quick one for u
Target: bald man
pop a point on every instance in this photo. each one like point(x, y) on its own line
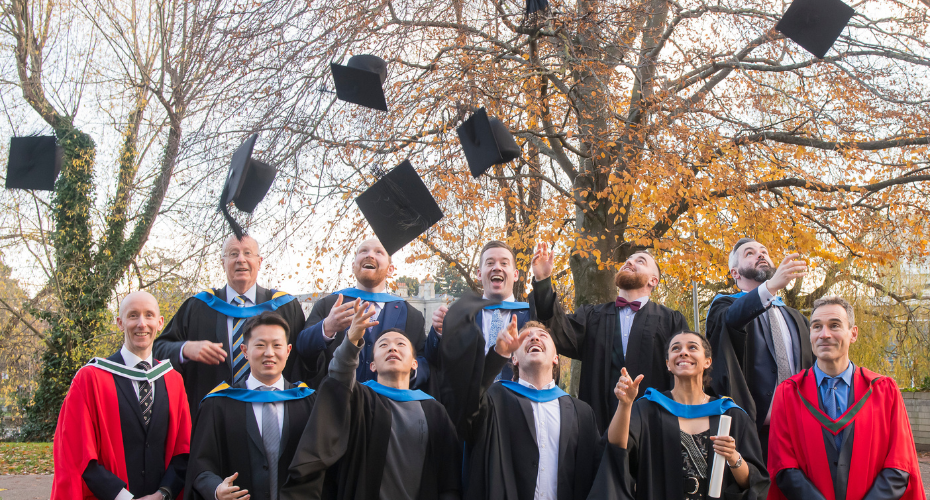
point(331, 316)
point(124, 418)
point(630, 332)
point(208, 326)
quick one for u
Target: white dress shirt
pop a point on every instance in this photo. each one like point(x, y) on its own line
point(625, 316)
point(548, 420)
point(487, 316)
point(252, 384)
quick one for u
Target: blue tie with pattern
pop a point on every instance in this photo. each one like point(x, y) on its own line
point(832, 406)
point(240, 364)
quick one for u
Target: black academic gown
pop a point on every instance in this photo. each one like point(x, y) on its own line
point(317, 353)
point(650, 468)
point(143, 445)
point(744, 357)
point(196, 321)
point(498, 425)
point(226, 439)
point(342, 451)
point(589, 334)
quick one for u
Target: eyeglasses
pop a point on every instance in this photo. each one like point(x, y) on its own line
point(235, 255)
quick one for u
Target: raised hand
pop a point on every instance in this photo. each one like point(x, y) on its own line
point(542, 262)
point(227, 491)
point(338, 319)
point(438, 316)
point(360, 320)
point(627, 388)
point(509, 339)
point(791, 268)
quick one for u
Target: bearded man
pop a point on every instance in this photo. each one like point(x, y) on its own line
point(758, 340)
point(331, 316)
point(630, 332)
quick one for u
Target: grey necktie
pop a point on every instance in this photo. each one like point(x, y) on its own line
point(271, 437)
point(778, 341)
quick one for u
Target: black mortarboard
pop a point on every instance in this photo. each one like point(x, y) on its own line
point(536, 5)
point(815, 24)
point(34, 163)
point(359, 81)
point(247, 183)
point(399, 207)
point(486, 142)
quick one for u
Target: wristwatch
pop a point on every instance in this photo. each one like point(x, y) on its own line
point(738, 464)
point(165, 493)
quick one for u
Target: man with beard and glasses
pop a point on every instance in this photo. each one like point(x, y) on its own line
point(629, 332)
point(759, 341)
point(331, 316)
point(497, 272)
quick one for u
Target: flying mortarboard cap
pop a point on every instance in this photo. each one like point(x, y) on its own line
point(247, 183)
point(815, 24)
point(359, 81)
point(399, 207)
point(486, 142)
point(34, 163)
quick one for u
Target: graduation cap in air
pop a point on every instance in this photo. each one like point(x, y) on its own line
point(815, 24)
point(486, 142)
point(359, 81)
point(399, 207)
point(34, 163)
point(247, 183)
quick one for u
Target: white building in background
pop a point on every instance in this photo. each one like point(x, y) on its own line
point(425, 300)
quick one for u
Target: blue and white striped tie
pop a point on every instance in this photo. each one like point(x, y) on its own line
point(240, 364)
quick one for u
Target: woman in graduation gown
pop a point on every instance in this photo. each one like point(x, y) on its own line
point(662, 446)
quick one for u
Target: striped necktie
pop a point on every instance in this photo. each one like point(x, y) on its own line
point(146, 398)
point(240, 364)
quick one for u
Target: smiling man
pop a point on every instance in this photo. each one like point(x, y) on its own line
point(124, 428)
point(330, 317)
point(525, 438)
point(629, 332)
point(246, 435)
point(377, 439)
point(203, 338)
point(497, 271)
point(838, 430)
point(758, 340)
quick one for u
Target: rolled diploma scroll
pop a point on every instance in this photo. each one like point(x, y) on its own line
point(716, 475)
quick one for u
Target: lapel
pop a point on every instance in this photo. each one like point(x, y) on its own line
point(568, 437)
point(527, 408)
point(642, 333)
point(671, 442)
point(285, 434)
point(610, 326)
point(251, 425)
point(391, 311)
point(127, 391)
point(803, 350)
point(766, 329)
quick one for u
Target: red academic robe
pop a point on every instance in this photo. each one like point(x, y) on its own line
point(89, 429)
point(882, 437)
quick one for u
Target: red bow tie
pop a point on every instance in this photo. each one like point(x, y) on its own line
point(634, 305)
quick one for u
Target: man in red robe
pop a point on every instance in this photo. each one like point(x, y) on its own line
point(839, 431)
point(124, 428)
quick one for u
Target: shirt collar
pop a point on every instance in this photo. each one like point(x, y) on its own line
point(249, 294)
point(131, 359)
point(508, 299)
point(524, 383)
point(846, 376)
point(252, 383)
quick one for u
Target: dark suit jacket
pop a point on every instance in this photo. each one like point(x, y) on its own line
point(588, 334)
point(317, 353)
point(744, 356)
point(143, 445)
point(195, 321)
point(226, 439)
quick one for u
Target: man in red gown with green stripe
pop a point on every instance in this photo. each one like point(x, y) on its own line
point(839, 431)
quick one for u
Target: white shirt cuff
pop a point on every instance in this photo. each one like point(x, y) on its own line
point(326, 338)
point(765, 295)
point(124, 495)
point(181, 354)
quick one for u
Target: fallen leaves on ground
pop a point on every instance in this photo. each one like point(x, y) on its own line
point(26, 458)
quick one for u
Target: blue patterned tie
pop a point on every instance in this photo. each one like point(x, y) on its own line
point(832, 407)
point(240, 364)
point(497, 324)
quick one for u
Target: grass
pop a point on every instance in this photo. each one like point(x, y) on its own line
point(26, 458)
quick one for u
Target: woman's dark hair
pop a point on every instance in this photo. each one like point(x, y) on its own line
point(705, 344)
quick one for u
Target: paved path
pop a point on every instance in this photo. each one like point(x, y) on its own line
point(39, 486)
